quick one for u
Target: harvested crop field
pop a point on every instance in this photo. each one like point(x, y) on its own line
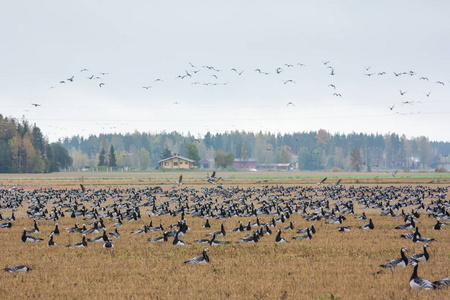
point(333, 264)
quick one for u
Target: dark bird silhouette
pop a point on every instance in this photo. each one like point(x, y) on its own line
point(391, 107)
point(290, 103)
point(35, 104)
point(332, 85)
point(402, 93)
point(180, 180)
point(101, 84)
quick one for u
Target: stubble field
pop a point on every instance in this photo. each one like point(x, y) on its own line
point(330, 265)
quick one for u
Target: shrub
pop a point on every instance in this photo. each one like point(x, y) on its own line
point(441, 170)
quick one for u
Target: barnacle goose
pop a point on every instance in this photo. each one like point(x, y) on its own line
point(179, 242)
point(420, 257)
point(108, 244)
point(100, 238)
point(410, 235)
point(240, 228)
point(399, 262)
point(18, 268)
point(115, 234)
point(214, 242)
point(51, 242)
point(442, 283)
point(308, 236)
point(368, 226)
point(417, 282)
point(35, 229)
point(199, 259)
point(6, 225)
point(56, 231)
point(290, 227)
point(344, 229)
point(29, 239)
point(207, 225)
point(159, 238)
point(218, 233)
point(278, 238)
point(305, 230)
point(418, 239)
point(79, 245)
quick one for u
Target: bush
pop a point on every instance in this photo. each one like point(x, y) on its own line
point(336, 169)
point(441, 170)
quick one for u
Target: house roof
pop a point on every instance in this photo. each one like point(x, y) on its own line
point(177, 156)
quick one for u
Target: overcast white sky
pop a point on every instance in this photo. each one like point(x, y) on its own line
point(137, 42)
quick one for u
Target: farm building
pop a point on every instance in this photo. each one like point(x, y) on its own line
point(247, 164)
point(207, 164)
point(176, 162)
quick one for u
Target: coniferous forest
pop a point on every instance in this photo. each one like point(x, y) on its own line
point(24, 149)
point(314, 150)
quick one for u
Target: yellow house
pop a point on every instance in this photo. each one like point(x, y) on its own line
point(176, 162)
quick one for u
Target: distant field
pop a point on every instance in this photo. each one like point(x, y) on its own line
point(332, 265)
point(198, 177)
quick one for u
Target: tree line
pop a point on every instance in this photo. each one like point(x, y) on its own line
point(313, 150)
point(24, 149)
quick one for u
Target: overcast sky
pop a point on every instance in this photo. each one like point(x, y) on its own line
point(138, 42)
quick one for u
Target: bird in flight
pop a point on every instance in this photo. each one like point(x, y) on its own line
point(381, 73)
point(290, 103)
point(35, 104)
point(326, 62)
point(369, 74)
point(428, 95)
point(70, 79)
point(84, 70)
point(402, 93)
point(332, 85)
point(289, 80)
point(391, 107)
point(423, 78)
point(101, 84)
point(439, 82)
point(146, 87)
point(337, 95)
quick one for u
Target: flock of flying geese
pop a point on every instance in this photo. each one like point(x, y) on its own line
point(215, 74)
point(276, 202)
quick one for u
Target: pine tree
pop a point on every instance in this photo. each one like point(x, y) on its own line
point(102, 158)
point(166, 153)
point(112, 157)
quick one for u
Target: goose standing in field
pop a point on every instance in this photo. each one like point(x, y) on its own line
point(420, 257)
point(399, 262)
point(417, 282)
point(51, 242)
point(199, 259)
point(29, 239)
point(278, 238)
point(94, 230)
point(79, 245)
point(18, 268)
point(368, 226)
